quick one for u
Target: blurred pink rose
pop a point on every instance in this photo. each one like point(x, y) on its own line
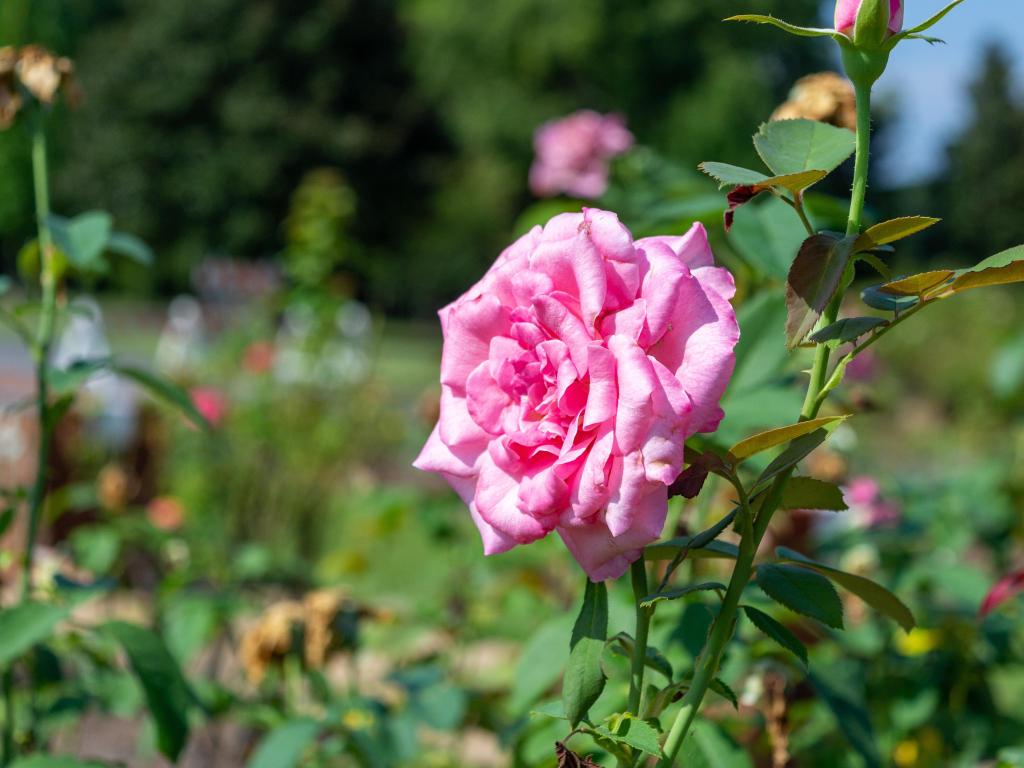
point(864, 497)
point(1005, 589)
point(211, 403)
point(571, 375)
point(573, 154)
point(847, 10)
point(165, 513)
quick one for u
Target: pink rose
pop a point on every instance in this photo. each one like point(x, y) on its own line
point(571, 375)
point(211, 403)
point(573, 154)
point(864, 497)
point(847, 10)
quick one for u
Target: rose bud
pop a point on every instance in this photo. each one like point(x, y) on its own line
point(869, 22)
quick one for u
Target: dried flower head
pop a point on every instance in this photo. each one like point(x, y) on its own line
point(10, 99)
point(825, 96)
point(42, 73)
point(325, 620)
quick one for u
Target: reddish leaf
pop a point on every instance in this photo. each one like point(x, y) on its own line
point(1005, 589)
point(569, 759)
point(814, 278)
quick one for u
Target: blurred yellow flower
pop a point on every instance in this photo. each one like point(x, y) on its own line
point(918, 642)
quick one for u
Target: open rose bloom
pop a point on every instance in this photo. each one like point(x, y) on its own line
point(571, 375)
point(573, 154)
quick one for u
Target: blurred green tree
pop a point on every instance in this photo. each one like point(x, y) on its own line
point(986, 166)
point(199, 121)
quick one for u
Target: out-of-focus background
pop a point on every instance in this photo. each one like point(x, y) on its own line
point(317, 178)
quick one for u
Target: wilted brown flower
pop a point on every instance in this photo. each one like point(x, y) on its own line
point(270, 639)
point(113, 486)
point(826, 97)
point(325, 620)
point(10, 99)
point(43, 73)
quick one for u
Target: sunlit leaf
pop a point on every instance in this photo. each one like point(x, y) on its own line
point(775, 437)
point(1002, 269)
point(731, 175)
point(633, 732)
point(809, 493)
point(931, 22)
point(893, 230)
point(918, 285)
point(793, 146)
point(793, 29)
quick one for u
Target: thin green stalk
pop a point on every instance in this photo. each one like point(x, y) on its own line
point(44, 338)
point(812, 403)
point(643, 624)
point(8, 730)
point(724, 625)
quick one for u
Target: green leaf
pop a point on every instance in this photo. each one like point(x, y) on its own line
point(793, 29)
point(848, 329)
point(67, 380)
point(26, 625)
point(629, 730)
point(676, 594)
point(813, 281)
point(852, 718)
point(164, 390)
point(592, 620)
point(718, 686)
point(809, 493)
point(796, 452)
point(6, 517)
point(777, 632)
point(774, 437)
point(82, 238)
point(918, 285)
point(731, 175)
point(875, 595)
point(167, 694)
point(54, 761)
point(283, 746)
point(792, 146)
point(623, 644)
point(714, 550)
point(766, 234)
point(875, 299)
point(130, 246)
point(584, 678)
point(1002, 269)
point(893, 230)
point(802, 591)
point(924, 27)
point(708, 747)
